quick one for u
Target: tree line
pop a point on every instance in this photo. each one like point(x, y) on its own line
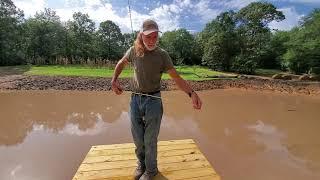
point(233, 41)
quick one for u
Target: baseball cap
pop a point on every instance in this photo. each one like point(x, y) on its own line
point(149, 26)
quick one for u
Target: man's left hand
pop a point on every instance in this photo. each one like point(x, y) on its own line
point(196, 101)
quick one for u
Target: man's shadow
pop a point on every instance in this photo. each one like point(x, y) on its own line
point(160, 176)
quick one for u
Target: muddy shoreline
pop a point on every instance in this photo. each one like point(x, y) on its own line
point(22, 82)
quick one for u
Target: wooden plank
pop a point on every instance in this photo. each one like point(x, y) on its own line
point(209, 177)
point(131, 145)
point(197, 173)
point(133, 163)
point(166, 168)
point(122, 157)
point(177, 159)
point(189, 173)
point(108, 152)
point(164, 177)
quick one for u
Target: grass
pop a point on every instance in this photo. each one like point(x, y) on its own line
point(76, 70)
point(267, 72)
point(13, 70)
point(196, 73)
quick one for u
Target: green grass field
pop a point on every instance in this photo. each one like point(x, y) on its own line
point(197, 73)
point(187, 72)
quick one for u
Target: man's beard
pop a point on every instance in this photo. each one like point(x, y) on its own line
point(148, 48)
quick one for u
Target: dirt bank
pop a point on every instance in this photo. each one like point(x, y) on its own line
point(21, 82)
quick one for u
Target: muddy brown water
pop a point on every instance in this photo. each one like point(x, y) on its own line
point(244, 134)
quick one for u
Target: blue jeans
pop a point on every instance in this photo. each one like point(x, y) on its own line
point(146, 114)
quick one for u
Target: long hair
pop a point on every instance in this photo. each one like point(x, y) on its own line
point(139, 46)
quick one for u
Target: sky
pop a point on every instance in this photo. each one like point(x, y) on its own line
point(192, 15)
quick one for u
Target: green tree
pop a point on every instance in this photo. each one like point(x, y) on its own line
point(276, 50)
point(110, 40)
point(128, 39)
point(44, 37)
point(81, 37)
point(303, 54)
point(254, 34)
point(11, 18)
point(179, 44)
point(219, 42)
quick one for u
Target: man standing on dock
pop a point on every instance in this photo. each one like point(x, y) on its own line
point(146, 109)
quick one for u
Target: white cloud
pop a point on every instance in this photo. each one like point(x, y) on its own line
point(238, 4)
point(164, 15)
point(235, 4)
point(91, 3)
point(174, 8)
point(97, 12)
point(74, 3)
point(202, 8)
point(30, 7)
point(292, 19)
point(301, 1)
point(184, 3)
point(100, 10)
point(167, 16)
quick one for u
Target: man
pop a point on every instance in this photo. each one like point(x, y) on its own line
point(149, 62)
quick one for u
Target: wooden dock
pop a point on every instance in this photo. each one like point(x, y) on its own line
point(177, 159)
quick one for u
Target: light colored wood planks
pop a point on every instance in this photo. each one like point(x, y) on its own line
point(133, 163)
point(131, 156)
point(108, 152)
point(177, 159)
point(131, 145)
point(166, 168)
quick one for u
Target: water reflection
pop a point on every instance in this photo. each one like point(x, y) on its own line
point(46, 134)
point(22, 112)
point(235, 141)
point(50, 154)
point(268, 135)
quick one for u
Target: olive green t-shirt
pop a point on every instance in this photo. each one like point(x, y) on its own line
point(148, 69)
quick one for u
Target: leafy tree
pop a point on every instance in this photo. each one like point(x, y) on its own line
point(254, 33)
point(128, 39)
point(44, 37)
point(11, 49)
point(276, 48)
point(111, 40)
point(303, 54)
point(219, 41)
point(179, 44)
point(81, 37)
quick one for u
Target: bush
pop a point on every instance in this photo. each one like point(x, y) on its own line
point(244, 64)
point(315, 70)
point(296, 62)
point(213, 57)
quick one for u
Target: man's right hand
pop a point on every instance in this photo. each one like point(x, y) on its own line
point(115, 86)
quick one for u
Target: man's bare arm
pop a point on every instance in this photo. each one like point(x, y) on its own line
point(184, 86)
point(119, 67)
point(117, 71)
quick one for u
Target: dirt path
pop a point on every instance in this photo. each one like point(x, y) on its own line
point(22, 82)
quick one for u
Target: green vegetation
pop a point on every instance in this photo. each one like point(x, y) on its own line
point(196, 73)
point(239, 41)
point(233, 41)
point(303, 46)
point(75, 71)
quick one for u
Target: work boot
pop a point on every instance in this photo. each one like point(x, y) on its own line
point(139, 171)
point(148, 175)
